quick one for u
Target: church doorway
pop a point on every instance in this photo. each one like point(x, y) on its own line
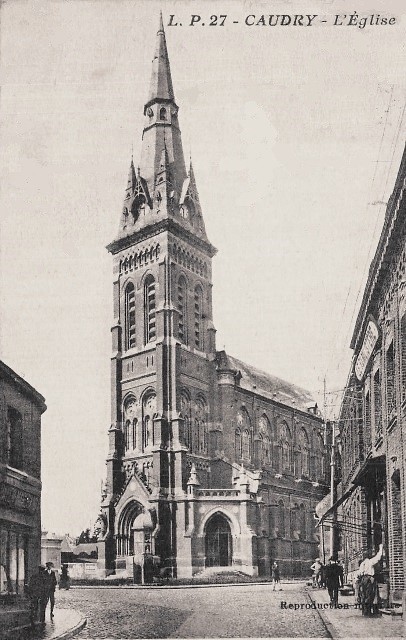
point(218, 542)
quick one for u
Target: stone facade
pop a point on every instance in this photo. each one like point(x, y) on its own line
point(373, 412)
point(20, 491)
point(212, 463)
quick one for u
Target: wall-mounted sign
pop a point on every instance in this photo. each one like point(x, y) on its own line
point(370, 340)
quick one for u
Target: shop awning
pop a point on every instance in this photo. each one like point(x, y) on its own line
point(375, 467)
point(371, 470)
point(337, 503)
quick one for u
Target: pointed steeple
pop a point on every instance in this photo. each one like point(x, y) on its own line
point(161, 128)
point(190, 204)
point(161, 188)
point(161, 87)
point(131, 179)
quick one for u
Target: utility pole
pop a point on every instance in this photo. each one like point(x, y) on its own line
point(332, 488)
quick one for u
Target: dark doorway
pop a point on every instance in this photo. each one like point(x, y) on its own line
point(219, 551)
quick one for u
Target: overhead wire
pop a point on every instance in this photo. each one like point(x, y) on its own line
point(393, 147)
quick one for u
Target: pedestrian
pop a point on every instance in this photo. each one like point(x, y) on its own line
point(334, 580)
point(36, 595)
point(368, 589)
point(50, 583)
point(316, 568)
point(276, 576)
point(356, 583)
point(322, 581)
point(64, 582)
point(341, 574)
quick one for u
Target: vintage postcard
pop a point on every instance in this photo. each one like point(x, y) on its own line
point(202, 318)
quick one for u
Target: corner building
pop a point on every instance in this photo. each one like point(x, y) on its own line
point(21, 408)
point(212, 463)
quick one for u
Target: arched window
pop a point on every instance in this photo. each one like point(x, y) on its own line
point(304, 449)
point(148, 414)
point(182, 308)
point(149, 301)
point(198, 313)
point(185, 410)
point(259, 453)
point(237, 444)
point(130, 410)
point(264, 429)
point(162, 113)
point(267, 450)
point(246, 445)
point(130, 316)
point(285, 438)
point(127, 435)
point(146, 432)
point(201, 442)
point(134, 433)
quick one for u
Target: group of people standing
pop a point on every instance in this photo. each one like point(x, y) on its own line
point(41, 590)
point(331, 576)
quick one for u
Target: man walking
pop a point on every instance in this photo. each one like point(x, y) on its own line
point(50, 583)
point(276, 576)
point(334, 580)
point(316, 568)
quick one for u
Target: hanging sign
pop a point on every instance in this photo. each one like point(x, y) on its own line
point(370, 340)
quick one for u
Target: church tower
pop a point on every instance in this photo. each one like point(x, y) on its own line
point(212, 463)
point(163, 342)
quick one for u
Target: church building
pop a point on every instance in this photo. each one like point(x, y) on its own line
point(212, 464)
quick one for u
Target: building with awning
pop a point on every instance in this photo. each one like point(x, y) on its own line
point(372, 506)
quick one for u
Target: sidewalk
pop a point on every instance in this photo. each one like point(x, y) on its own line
point(348, 622)
point(66, 624)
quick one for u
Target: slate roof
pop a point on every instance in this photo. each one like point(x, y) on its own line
point(264, 384)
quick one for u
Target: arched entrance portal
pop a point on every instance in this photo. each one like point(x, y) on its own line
point(219, 551)
point(125, 533)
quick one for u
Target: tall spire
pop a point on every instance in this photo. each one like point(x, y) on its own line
point(161, 188)
point(161, 87)
point(161, 129)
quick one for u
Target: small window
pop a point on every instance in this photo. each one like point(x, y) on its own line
point(150, 308)
point(14, 438)
point(198, 313)
point(130, 315)
point(182, 308)
point(162, 113)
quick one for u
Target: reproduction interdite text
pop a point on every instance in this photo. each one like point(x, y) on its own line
point(353, 19)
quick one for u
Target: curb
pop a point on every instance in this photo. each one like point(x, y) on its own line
point(71, 632)
point(175, 586)
point(327, 625)
point(64, 635)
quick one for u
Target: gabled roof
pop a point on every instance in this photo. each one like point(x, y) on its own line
point(264, 384)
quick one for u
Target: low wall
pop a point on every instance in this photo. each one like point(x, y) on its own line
point(84, 570)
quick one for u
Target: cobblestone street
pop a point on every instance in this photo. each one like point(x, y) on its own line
point(231, 611)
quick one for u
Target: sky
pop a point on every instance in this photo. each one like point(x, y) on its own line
point(296, 135)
